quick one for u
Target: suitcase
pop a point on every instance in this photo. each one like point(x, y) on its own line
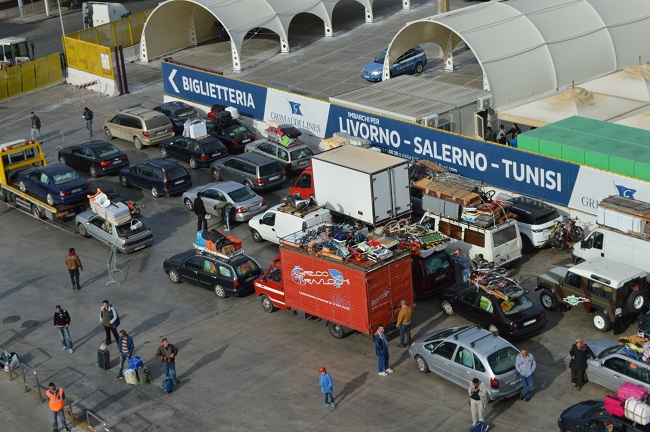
point(223, 117)
point(637, 411)
point(117, 213)
point(614, 405)
point(479, 427)
point(104, 359)
point(135, 362)
point(628, 390)
point(144, 376)
point(167, 385)
point(130, 376)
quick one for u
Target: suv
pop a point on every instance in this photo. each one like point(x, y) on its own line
point(178, 112)
point(462, 354)
point(143, 126)
point(536, 221)
point(613, 293)
point(253, 170)
point(293, 158)
point(161, 176)
point(412, 61)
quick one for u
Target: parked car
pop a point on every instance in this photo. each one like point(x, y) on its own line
point(225, 277)
point(293, 158)
point(412, 61)
point(536, 221)
point(56, 184)
point(95, 157)
point(198, 152)
point(590, 416)
point(234, 135)
point(127, 238)
point(160, 176)
point(253, 170)
point(432, 274)
point(143, 126)
point(462, 354)
point(178, 113)
point(516, 318)
point(246, 202)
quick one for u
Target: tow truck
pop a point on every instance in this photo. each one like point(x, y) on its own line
point(20, 155)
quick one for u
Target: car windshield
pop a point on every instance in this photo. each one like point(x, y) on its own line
point(301, 153)
point(503, 361)
point(176, 173)
point(241, 194)
point(247, 268)
point(270, 169)
point(380, 58)
point(435, 263)
point(236, 129)
point(212, 146)
point(185, 112)
point(519, 304)
point(109, 150)
point(123, 231)
point(64, 177)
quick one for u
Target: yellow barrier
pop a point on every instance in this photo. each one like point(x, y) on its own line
point(29, 76)
point(126, 32)
point(89, 57)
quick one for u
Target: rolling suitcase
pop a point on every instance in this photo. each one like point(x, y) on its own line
point(104, 359)
point(130, 376)
point(167, 385)
point(614, 405)
point(637, 411)
point(629, 390)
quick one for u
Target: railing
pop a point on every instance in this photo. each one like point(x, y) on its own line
point(29, 76)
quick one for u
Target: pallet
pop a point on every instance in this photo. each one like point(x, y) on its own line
point(447, 192)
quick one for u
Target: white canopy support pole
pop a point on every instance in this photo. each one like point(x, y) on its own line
point(406, 4)
point(449, 54)
point(236, 63)
point(369, 16)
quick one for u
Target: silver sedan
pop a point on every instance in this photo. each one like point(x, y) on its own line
point(246, 202)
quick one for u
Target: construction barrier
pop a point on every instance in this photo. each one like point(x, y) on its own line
point(125, 32)
point(88, 57)
point(29, 76)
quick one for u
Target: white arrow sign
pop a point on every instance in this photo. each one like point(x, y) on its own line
point(171, 80)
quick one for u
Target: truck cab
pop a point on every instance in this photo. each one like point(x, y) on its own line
point(14, 51)
point(303, 185)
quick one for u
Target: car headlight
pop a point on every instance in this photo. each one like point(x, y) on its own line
point(377, 72)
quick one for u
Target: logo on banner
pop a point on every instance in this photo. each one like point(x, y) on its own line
point(306, 277)
point(295, 108)
point(625, 191)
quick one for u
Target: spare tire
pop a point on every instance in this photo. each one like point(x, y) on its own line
point(635, 302)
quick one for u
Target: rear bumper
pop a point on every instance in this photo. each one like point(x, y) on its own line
point(177, 189)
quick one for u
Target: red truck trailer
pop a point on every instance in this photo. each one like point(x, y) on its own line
point(350, 295)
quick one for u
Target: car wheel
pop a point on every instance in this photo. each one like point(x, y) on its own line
point(124, 181)
point(82, 230)
point(492, 328)
point(256, 236)
point(174, 276)
point(94, 171)
point(22, 186)
point(419, 68)
point(62, 159)
point(220, 292)
point(108, 133)
point(601, 321)
point(548, 300)
point(216, 175)
point(447, 307)
point(50, 199)
point(193, 163)
point(37, 212)
point(421, 364)
point(137, 143)
point(526, 244)
point(267, 304)
point(635, 302)
point(189, 205)
point(163, 152)
point(336, 330)
point(155, 192)
point(248, 184)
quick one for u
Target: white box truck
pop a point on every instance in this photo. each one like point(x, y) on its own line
point(98, 13)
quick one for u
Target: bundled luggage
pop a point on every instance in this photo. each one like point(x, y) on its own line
point(130, 376)
point(217, 242)
point(116, 213)
point(135, 362)
point(629, 390)
point(144, 375)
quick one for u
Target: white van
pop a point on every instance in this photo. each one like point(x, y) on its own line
point(282, 220)
point(500, 244)
point(615, 246)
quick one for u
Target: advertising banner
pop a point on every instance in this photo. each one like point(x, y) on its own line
point(305, 113)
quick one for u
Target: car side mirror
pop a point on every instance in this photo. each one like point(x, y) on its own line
point(261, 222)
point(561, 281)
point(583, 244)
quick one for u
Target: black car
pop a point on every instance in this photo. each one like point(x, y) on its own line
point(198, 152)
point(234, 135)
point(95, 157)
point(225, 277)
point(515, 318)
point(590, 416)
point(178, 112)
point(160, 176)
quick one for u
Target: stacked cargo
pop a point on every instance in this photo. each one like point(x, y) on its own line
point(625, 214)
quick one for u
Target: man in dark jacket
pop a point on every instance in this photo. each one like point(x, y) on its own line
point(381, 349)
point(167, 355)
point(490, 135)
point(88, 116)
point(579, 353)
point(62, 324)
point(125, 347)
point(199, 210)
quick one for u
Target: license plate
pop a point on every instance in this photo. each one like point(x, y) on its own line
point(116, 161)
point(514, 381)
point(256, 206)
point(76, 190)
point(162, 132)
point(274, 178)
point(245, 141)
point(139, 247)
point(529, 322)
point(179, 181)
point(215, 154)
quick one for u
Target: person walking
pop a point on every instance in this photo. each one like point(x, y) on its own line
point(167, 355)
point(73, 263)
point(36, 127)
point(579, 353)
point(526, 365)
point(200, 212)
point(55, 398)
point(404, 324)
point(110, 320)
point(464, 263)
point(125, 347)
point(62, 324)
point(326, 386)
point(88, 116)
point(478, 399)
point(381, 349)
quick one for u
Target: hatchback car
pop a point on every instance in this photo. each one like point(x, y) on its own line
point(253, 170)
point(126, 238)
point(198, 152)
point(536, 221)
point(143, 126)
point(590, 416)
point(160, 176)
point(246, 202)
point(178, 112)
point(234, 276)
point(412, 61)
point(95, 157)
point(293, 158)
point(462, 354)
point(234, 135)
point(516, 318)
point(56, 184)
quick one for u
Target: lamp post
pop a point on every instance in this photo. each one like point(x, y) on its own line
point(58, 2)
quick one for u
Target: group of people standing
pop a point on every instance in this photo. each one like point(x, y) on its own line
point(501, 136)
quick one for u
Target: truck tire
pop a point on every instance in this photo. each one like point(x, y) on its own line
point(447, 308)
point(37, 212)
point(635, 302)
point(3, 195)
point(526, 244)
point(256, 236)
point(82, 230)
point(421, 364)
point(267, 304)
point(219, 291)
point(336, 330)
point(548, 300)
point(601, 321)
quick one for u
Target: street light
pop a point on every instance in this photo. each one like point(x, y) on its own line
point(58, 2)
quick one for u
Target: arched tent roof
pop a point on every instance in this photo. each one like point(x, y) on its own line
point(178, 24)
point(529, 47)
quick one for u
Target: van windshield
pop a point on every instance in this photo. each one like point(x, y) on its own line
point(504, 235)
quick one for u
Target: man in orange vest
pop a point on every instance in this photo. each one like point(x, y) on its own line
point(55, 398)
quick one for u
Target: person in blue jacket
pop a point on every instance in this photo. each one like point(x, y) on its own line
point(326, 386)
point(125, 347)
point(381, 349)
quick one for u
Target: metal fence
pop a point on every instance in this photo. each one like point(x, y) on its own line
point(33, 75)
point(125, 32)
point(89, 57)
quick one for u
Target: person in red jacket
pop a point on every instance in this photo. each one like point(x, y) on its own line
point(55, 399)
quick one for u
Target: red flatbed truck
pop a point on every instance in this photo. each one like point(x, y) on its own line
point(348, 296)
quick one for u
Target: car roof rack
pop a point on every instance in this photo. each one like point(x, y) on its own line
point(473, 343)
point(209, 252)
point(455, 336)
